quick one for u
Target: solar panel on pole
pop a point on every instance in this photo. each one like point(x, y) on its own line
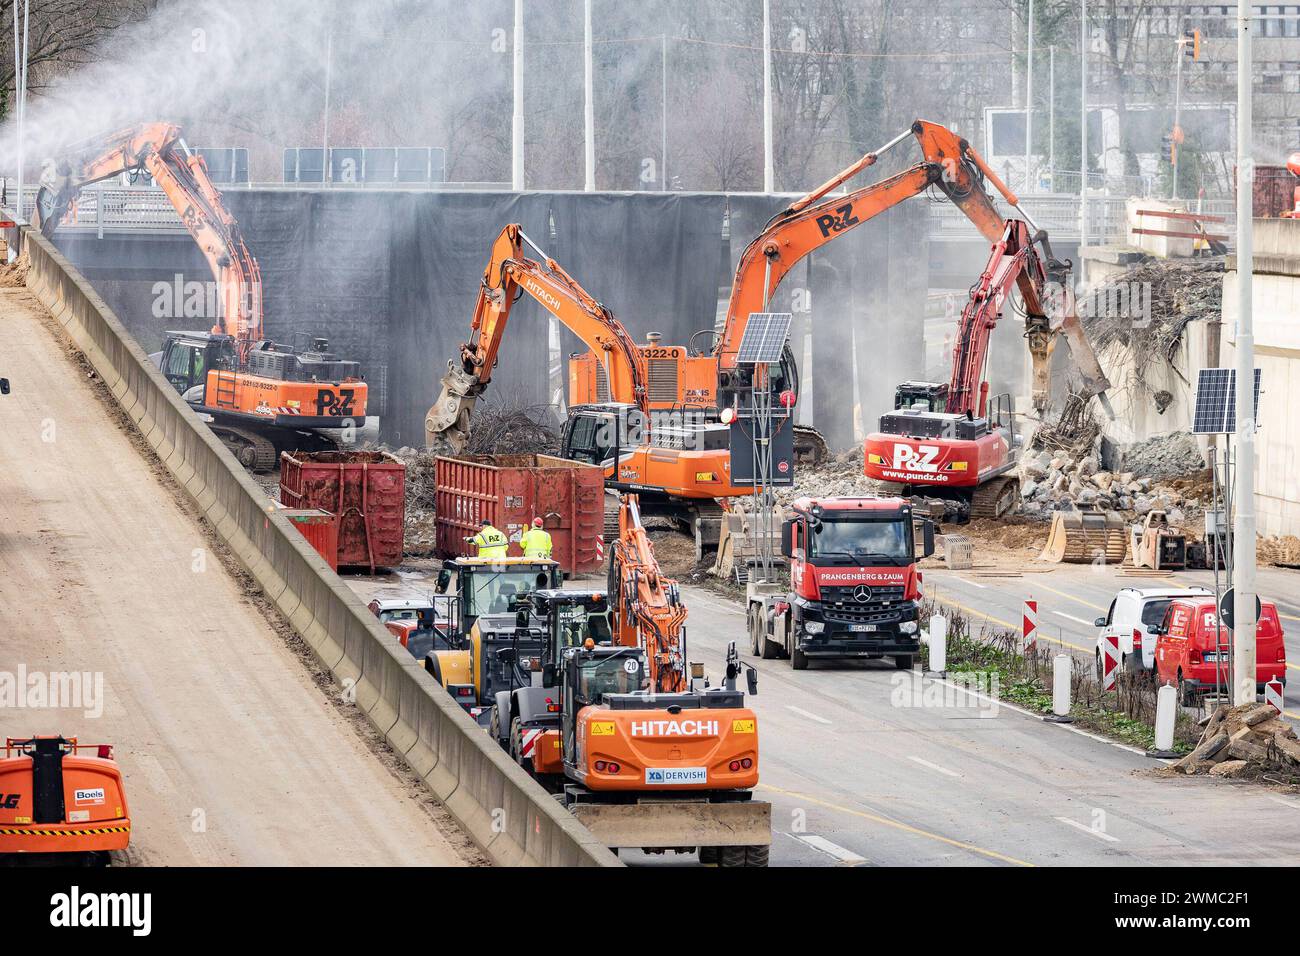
point(764, 339)
point(1216, 401)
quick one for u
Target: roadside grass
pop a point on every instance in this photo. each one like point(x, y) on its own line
point(1126, 714)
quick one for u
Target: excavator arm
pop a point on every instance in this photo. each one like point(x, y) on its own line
point(647, 607)
point(956, 169)
point(509, 274)
point(157, 148)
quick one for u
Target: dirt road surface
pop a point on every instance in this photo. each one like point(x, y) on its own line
point(232, 753)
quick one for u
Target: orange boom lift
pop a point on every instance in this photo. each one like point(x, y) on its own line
point(260, 397)
point(61, 796)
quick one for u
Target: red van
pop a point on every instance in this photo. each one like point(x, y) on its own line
point(1192, 650)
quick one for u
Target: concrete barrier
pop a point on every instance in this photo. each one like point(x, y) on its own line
point(502, 809)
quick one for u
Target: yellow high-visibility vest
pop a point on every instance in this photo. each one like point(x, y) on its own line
point(491, 543)
point(536, 543)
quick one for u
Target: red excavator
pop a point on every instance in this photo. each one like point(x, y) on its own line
point(61, 796)
point(260, 397)
point(948, 441)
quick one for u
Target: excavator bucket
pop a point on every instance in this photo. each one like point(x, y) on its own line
point(448, 419)
point(1083, 537)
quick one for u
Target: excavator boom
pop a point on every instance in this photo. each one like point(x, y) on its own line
point(508, 274)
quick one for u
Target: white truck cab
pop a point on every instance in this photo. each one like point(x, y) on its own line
point(1133, 617)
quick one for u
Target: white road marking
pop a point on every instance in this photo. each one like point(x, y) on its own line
point(1071, 617)
point(974, 584)
point(1286, 803)
point(1089, 830)
point(833, 850)
point(803, 713)
point(934, 766)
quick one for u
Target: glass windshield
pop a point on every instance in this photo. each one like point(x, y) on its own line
point(400, 614)
point(577, 624)
point(884, 541)
point(491, 591)
point(617, 674)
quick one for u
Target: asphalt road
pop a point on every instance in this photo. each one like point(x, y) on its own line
point(231, 753)
point(867, 765)
point(1071, 597)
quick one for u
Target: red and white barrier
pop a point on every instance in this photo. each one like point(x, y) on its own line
point(1029, 625)
point(1273, 694)
point(1109, 661)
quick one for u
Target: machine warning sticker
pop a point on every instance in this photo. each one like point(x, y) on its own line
point(742, 726)
point(602, 728)
point(78, 816)
point(93, 796)
point(675, 776)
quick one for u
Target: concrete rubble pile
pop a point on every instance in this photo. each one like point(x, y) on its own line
point(1151, 475)
point(1244, 741)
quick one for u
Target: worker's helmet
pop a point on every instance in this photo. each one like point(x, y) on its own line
point(485, 523)
point(537, 522)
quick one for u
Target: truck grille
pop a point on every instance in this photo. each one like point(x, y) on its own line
point(840, 604)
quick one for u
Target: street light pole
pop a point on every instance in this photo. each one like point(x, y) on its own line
point(1178, 103)
point(588, 104)
point(517, 126)
point(1243, 537)
point(1051, 113)
point(769, 173)
point(1029, 93)
point(1083, 137)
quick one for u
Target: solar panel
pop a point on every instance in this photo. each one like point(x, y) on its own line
point(764, 339)
point(1216, 401)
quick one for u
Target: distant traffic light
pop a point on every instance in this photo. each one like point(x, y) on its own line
point(1192, 45)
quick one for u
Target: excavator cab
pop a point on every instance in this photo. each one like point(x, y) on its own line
point(187, 357)
point(932, 396)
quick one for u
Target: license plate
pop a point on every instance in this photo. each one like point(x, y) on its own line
point(675, 776)
point(1213, 657)
point(862, 628)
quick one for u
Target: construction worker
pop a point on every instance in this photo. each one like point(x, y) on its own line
point(536, 542)
point(490, 542)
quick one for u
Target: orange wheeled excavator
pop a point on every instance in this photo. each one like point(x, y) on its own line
point(640, 752)
point(950, 442)
point(713, 379)
point(260, 397)
point(61, 796)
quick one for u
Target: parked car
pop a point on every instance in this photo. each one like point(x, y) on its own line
point(1133, 617)
point(413, 621)
point(1193, 653)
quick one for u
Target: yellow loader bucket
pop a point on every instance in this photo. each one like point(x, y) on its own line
point(1082, 537)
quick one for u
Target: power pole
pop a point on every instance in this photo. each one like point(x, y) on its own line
point(1243, 537)
point(588, 103)
point(1029, 94)
point(1051, 114)
point(517, 127)
point(1083, 137)
point(1178, 105)
point(769, 173)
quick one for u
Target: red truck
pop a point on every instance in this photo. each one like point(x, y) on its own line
point(1194, 654)
point(854, 586)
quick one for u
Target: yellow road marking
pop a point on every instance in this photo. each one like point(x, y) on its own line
point(1078, 600)
point(1287, 617)
point(907, 828)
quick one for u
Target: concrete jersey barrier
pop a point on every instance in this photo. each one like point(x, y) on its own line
point(502, 809)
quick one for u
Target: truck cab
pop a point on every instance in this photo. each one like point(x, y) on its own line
point(485, 651)
point(854, 586)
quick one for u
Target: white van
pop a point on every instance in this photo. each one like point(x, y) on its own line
point(1133, 617)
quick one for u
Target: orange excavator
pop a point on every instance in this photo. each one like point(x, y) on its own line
point(259, 397)
point(61, 796)
point(679, 468)
point(715, 380)
point(640, 752)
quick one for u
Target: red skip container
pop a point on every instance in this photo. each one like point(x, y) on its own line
point(320, 528)
point(364, 490)
point(510, 490)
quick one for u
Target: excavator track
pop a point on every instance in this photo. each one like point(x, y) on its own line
point(995, 497)
point(255, 452)
point(810, 446)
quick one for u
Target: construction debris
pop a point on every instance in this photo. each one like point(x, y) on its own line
point(1245, 741)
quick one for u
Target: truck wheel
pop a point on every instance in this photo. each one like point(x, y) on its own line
point(709, 855)
point(517, 745)
point(756, 855)
point(798, 660)
point(904, 662)
point(731, 856)
point(757, 639)
point(494, 727)
point(1186, 696)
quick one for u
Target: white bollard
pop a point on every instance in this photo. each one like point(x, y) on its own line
point(938, 643)
point(1166, 711)
point(1061, 671)
point(1061, 665)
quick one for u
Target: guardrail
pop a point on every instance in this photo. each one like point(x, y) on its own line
point(502, 809)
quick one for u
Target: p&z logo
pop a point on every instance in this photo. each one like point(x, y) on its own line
point(338, 406)
point(9, 801)
point(837, 221)
point(922, 458)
